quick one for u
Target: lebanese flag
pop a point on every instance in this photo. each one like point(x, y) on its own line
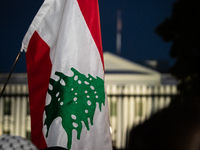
point(65, 68)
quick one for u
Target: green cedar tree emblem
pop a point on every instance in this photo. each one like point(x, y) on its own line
point(74, 100)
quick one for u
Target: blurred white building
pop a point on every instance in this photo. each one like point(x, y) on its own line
point(135, 92)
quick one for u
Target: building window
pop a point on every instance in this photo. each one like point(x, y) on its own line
point(28, 107)
point(7, 106)
point(113, 108)
point(139, 107)
point(28, 135)
point(6, 132)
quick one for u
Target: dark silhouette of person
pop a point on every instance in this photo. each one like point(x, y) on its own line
point(55, 148)
point(174, 128)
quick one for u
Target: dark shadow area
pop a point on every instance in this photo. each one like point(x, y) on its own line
point(174, 128)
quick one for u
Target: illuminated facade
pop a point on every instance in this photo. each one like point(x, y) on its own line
point(134, 94)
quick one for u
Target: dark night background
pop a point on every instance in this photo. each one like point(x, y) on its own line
point(139, 20)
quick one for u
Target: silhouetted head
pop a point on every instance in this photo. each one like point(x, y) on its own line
point(173, 128)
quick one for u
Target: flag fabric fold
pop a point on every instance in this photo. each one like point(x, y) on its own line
point(65, 68)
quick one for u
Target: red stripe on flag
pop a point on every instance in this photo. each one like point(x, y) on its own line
point(38, 70)
point(90, 11)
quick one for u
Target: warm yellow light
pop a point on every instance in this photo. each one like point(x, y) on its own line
point(111, 130)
